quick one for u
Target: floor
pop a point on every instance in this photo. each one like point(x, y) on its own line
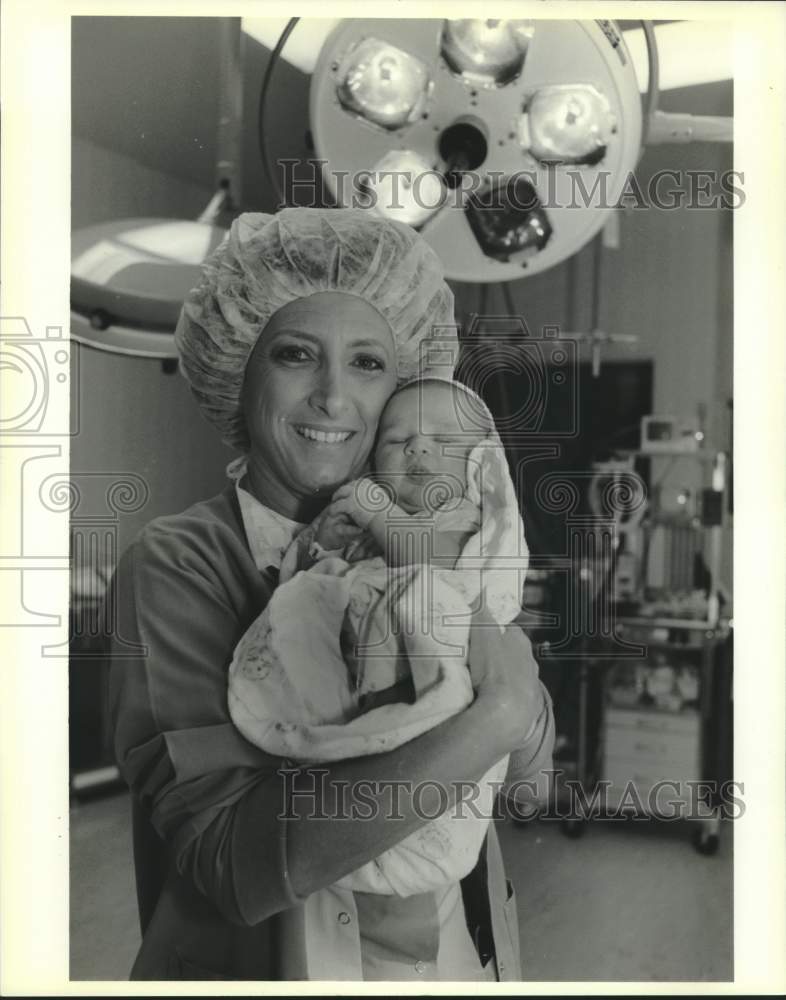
point(625, 902)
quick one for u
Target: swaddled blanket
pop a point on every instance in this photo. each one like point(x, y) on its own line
point(292, 692)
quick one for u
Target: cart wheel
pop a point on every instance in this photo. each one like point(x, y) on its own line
point(574, 828)
point(704, 842)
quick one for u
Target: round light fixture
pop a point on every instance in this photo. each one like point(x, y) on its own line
point(534, 128)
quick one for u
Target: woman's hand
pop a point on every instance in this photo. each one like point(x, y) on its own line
point(505, 678)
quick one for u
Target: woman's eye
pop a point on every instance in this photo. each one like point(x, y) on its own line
point(290, 353)
point(369, 363)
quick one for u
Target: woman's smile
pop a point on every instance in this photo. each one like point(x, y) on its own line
point(323, 435)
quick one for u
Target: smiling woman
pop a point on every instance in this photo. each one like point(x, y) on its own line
point(300, 330)
point(315, 385)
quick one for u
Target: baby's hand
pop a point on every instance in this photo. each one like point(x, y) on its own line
point(362, 547)
point(361, 501)
point(334, 530)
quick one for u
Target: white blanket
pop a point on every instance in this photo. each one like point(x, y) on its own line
point(291, 692)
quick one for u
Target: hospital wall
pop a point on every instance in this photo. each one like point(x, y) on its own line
point(144, 144)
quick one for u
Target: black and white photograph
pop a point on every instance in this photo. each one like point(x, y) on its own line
point(377, 609)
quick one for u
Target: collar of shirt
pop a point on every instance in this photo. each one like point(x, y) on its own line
point(269, 533)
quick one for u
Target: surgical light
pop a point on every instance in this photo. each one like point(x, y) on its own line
point(129, 278)
point(383, 84)
point(567, 124)
point(575, 101)
point(489, 53)
point(405, 187)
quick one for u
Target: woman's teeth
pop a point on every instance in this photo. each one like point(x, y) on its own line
point(325, 437)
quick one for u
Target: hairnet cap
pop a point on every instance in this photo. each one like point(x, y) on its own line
point(267, 261)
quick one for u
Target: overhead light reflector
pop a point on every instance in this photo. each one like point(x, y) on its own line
point(406, 188)
point(383, 84)
point(488, 52)
point(567, 124)
point(508, 221)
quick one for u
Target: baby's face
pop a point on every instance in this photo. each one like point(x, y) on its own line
point(423, 444)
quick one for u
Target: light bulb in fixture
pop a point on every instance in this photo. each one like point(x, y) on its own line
point(508, 220)
point(567, 124)
point(488, 52)
point(405, 187)
point(383, 84)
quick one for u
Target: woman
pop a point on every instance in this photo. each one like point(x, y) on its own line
point(300, 329)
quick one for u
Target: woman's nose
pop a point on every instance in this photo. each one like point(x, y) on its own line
point(329, 394)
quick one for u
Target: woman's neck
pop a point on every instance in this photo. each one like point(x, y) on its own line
point(296, 507)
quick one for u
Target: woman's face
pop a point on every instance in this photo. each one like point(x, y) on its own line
point(315, 385)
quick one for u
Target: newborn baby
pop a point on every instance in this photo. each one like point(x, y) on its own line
point(414, 511)
point(363, 644)
point(420, 466)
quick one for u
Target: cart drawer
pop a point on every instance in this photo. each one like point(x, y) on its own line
point(652, 721)
point(675, 752)
point(619, 770)
point(655, 798)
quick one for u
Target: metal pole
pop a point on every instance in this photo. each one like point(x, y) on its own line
point(230, 109)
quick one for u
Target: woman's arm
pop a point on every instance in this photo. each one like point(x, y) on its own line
point(244, 830)
point(322, 842)
point(396, 793)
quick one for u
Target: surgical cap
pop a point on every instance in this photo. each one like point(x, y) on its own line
point(267, 261)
